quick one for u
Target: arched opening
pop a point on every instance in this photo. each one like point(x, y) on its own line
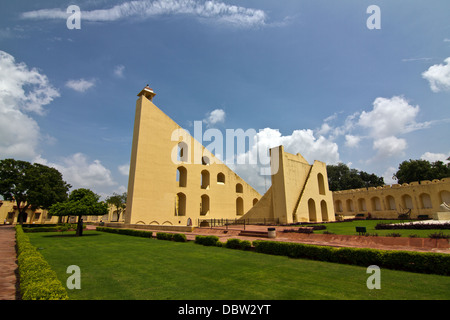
point(390, 203)
point(204, 179)
point(239, 206)
point(239, 188)
point(182, 176)
point(362, 204)
point(255, 201)
point(321, 184)
point(312, 210)
point(425, 201)
point(338, 205)
point(204, 205)
point(445, 197)
point(349, 204)
point(205, 161)
point(220, 178)
point(183, 152)
point(180, 204)
point(324, 210)
point(376, 204)
point(407, 201)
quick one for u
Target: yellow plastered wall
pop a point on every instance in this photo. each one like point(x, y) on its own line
point(167, 187)
point(389, 201)
point(299, 191)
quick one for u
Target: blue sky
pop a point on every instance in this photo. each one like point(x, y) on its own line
point(306, 74)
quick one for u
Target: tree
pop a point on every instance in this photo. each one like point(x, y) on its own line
point(341, 177)
point(418, 170)
point(31, 186)
point(119, 201)
point(81, 202)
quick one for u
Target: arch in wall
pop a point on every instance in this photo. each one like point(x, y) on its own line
point(376, 203)
point(205, 161)
point(324, 210)
point(338, 205)
point(142, 222)
point(182, 176)
point(445, 196)
point(362, 204)
point(204, 179)
point(349, 204)
point(239, 206)
point(407, 202)
point(239, 188)
point(425, 201)
point(167, 223)
point(220, 178)
point(312, 210)
point(204, 205)
point(321, 184)
point(390, 203)
point(183, 152)
point(180, 204)
point(255, 201)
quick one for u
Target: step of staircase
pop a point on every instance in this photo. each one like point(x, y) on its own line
point(248, 233)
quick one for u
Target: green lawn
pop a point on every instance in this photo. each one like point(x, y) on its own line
point(124, 267)
point(348, 228)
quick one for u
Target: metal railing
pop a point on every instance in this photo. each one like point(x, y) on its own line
point(240, 223)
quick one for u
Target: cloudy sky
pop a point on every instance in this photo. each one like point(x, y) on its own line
point(314, 76)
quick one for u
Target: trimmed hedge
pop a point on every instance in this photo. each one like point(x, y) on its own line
point(415, 226)
point(37, 280)
point(51, 228)
point(207, 240)
point(238, 244)
point(129, 232)
point(421, 262)
point(164, 236)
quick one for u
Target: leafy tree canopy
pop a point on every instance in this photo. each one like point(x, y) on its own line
point(341, 177)
point(119, 201)
point(418, 170)
point(31, 185)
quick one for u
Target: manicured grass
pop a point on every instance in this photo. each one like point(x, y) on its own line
point(348, 228)
point(121, 267)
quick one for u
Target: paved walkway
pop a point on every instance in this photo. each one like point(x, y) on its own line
point(8, 265)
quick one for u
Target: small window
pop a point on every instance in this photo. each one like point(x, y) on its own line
point(182, 177)
point(220, 178)
point(204, 179)
point(205, 161)
point(239, 188)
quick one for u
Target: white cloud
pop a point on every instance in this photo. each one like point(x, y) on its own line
point(214, 117)
point(390, 117)
point(433, 157)
point(352, 141)
point(300, 141)
point(22, 90)
point(118, 71)
point(80, 173)
point(438, 76)
point(390, 146)
point(80, 85)
point(205, 10)
point(124, 169)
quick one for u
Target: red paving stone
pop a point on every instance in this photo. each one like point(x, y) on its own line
point(8, 265)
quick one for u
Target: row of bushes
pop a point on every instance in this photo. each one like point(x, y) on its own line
point(37, 280)
point(129, 232)
point(231, 243)
point(51, 228)
point(435, 263)
point(414, 226)
point(177, 237)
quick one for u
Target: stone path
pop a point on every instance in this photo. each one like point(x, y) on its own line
point(8, 265)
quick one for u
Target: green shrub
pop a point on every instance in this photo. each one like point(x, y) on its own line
point(164, 236)
point(206, 240)
point(238, 244)
point(37, 280)
point(422, 262)
point(129, 232)
point(179, 237)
